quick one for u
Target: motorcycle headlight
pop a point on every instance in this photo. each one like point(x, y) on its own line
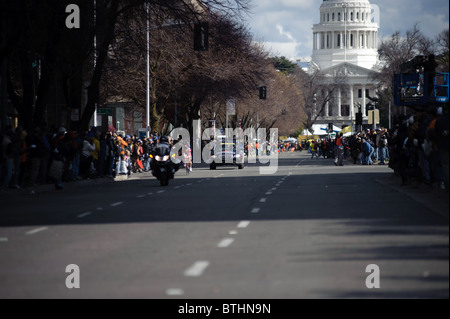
point(166, 158)
point(158, 158)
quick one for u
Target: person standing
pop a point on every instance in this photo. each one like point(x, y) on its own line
point(313, 147)
point(338, 161)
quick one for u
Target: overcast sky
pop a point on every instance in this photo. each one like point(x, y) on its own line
point(285, 26)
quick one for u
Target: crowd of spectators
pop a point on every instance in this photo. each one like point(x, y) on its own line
point(56, 155)
point(417, 147)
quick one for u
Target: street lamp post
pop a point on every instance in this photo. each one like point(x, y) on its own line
point(148, 71)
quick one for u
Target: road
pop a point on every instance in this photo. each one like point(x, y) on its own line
point(308, 231)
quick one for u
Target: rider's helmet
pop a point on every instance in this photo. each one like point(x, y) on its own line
point(164, 139)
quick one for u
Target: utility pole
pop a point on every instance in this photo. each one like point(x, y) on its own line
point(148, 71)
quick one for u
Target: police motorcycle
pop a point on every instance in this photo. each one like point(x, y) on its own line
point(162, 166)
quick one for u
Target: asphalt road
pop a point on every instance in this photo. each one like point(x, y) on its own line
point(308, 231)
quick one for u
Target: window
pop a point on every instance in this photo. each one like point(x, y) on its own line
point(367, 92)
point(345, 110)
point(339, 16)
point(339, 40)
point(351, 40)
point(328, 17)
point(332, 16)
point(360, 93)
point(351, 16)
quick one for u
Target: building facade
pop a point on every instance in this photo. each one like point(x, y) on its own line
point(345, 43)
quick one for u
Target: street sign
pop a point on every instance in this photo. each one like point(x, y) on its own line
point(104, 111)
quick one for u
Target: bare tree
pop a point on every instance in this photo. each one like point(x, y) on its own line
point(319, 89)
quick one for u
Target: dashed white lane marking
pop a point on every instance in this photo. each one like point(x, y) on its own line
point(233, 232)
point(263, 200)
point(269, 193)
point(174, 292)
point(225, 242)
point(243, 224)
point(188, 184)
point(196, 269)
point(274, 189)
point(3, 239)
point(116, 204)
point(140, 196)
point(84, 214)
point(255, 210)
point(176, 187)
point(160, 192)
point(36, 230)
point(149, 193)
point(99, 208)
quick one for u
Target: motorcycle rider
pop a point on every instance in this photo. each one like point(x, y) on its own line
point(163, 149)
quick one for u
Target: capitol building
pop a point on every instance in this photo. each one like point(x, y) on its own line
point(345, 43)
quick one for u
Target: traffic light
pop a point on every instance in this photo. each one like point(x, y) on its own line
point(262, 92)
point(201, 36)
point(359, 118)
point(330, 127)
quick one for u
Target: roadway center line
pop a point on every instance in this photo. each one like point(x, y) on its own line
point(84, 215)
point(174, 292)
point(36, 230)
point(196, 269)
point(225, 242)
point(243, 224)
point(116, 204)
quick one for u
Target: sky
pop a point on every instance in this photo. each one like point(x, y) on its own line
point(285, 26)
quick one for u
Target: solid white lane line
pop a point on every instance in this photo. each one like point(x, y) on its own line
point(263, 200)
point(84, 215)
point(196, 269)
point(255, 210)
point(243, 224)
point(116, 204)
point(36, 230)
point(225, 242)
point(174, 292)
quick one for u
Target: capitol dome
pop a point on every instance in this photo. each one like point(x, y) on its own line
point(347, 32)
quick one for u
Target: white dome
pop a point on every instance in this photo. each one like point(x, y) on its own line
point(347, 32)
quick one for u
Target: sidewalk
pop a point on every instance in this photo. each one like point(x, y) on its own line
point(49, 188)
point(434, 198)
